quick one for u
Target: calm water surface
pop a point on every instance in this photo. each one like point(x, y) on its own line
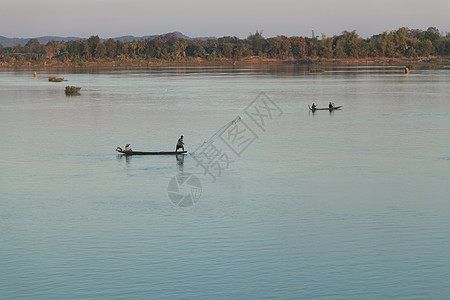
point(352, 204)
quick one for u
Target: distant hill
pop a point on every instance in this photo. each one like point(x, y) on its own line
point(178, 34)
point(9, 42)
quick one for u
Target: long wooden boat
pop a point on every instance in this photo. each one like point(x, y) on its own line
point(324, 108)
point(150, 153)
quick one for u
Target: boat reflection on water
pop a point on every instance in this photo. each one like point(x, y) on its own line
point(180, 162)
point(313, 112)
point(127, 158)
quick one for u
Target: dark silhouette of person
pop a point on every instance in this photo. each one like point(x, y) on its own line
point(180, 144)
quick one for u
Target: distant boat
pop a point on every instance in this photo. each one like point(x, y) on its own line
point(150, 153)
point(324, 108)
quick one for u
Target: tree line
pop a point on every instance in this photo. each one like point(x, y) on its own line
point(403, 42)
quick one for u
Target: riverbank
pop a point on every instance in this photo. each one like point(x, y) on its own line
point(420, 62)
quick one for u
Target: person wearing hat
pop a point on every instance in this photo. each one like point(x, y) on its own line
point(128, 148)
point(180, 144)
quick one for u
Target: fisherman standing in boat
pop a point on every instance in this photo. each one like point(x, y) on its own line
point(313, 106)
point(330, 106)
point(180, 144)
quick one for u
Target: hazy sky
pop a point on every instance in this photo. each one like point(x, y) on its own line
point(113, 18)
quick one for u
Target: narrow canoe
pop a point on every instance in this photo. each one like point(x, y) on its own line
point(325, 108)
point(151, 153)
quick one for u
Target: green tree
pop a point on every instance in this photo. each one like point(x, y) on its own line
point(274, 47)
point(412, 45)
point(213, 49)
point(279, 47)
point(426, 48)
point(443, 47)
point(33, 46)
point(170, 39)
point(132, 46)
point(52, 48)
point(141, 46)
point(432, 34)
point(183, 46)
point(313, 45)
point(125, 49)
point(339, 51)
point(240, 51)
point(401, 39)
point(110, 48)
point(352, 44)
point(298, 46)
point(100, 51)
point(93, 43)
point(258, 43)
point(77, 49)
point(387, 44)
point(156, 48)
point(196, 49)
point(227, 50)
point(373, 48)
point(326, 47)
point(286, 50)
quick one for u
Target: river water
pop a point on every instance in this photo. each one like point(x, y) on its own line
point(348, 204)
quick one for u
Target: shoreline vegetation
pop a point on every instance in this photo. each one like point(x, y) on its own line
point(402, 47)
